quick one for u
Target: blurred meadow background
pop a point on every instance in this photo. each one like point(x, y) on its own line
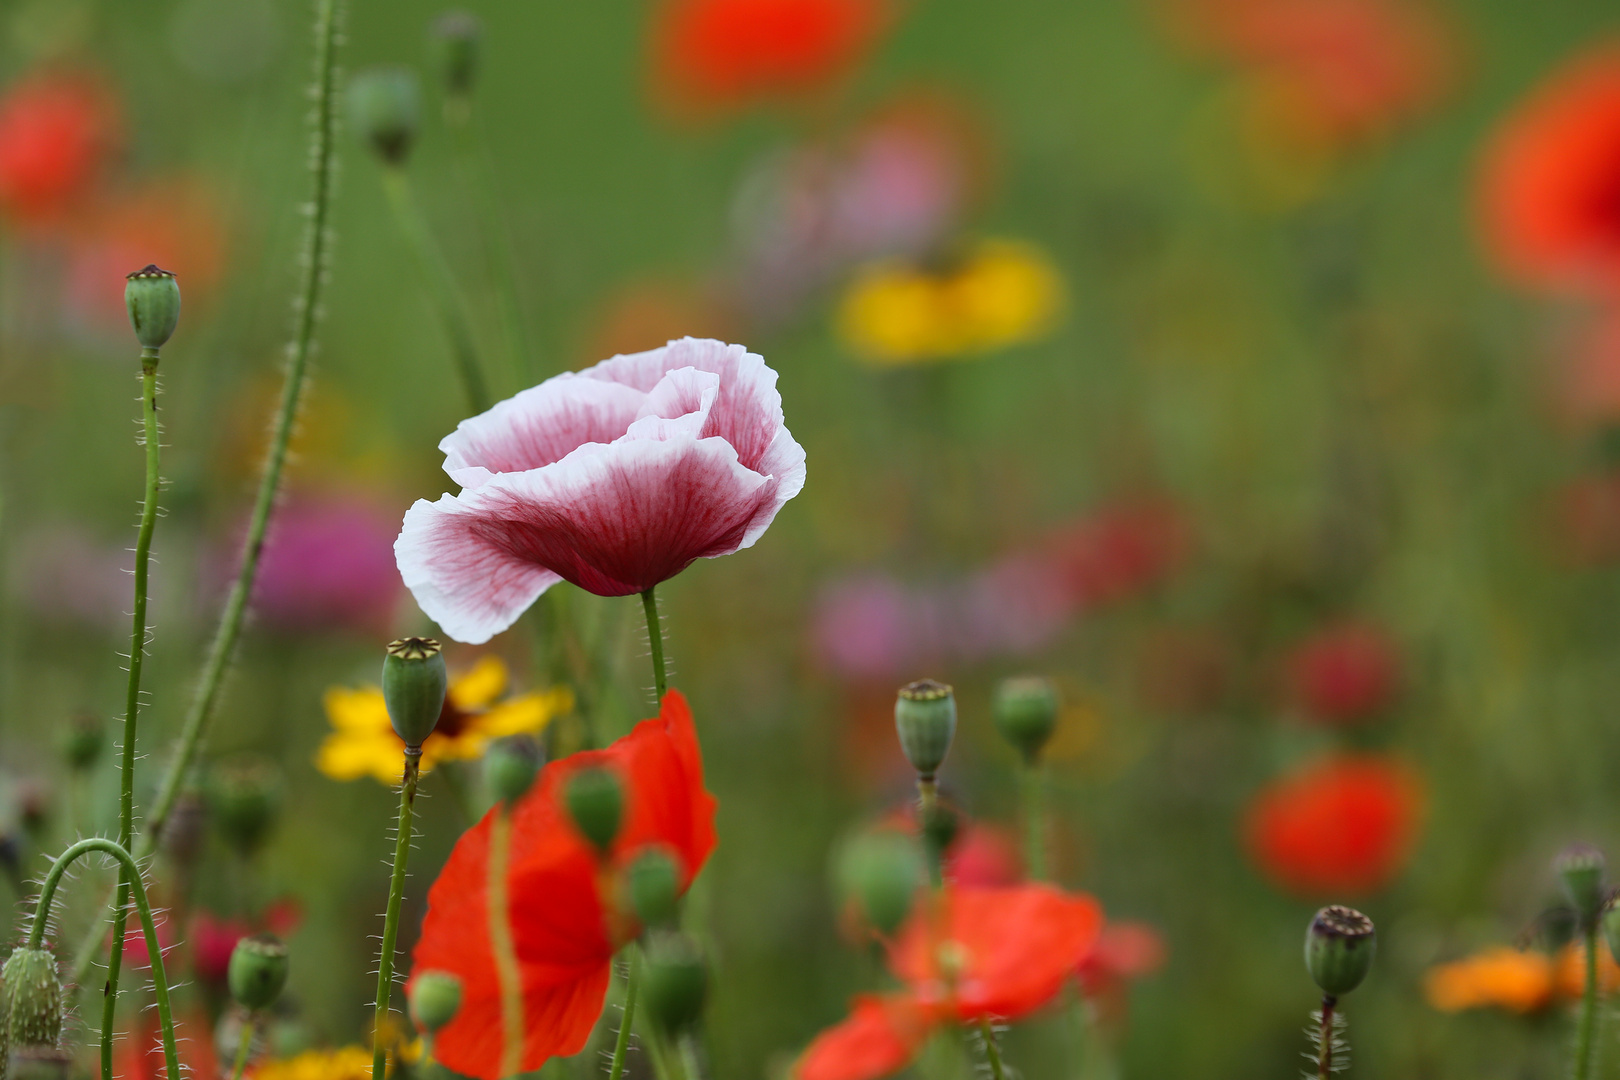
point(1180, 350)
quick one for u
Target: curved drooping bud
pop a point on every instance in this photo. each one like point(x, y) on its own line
point(414, 683)
point(33, 994)
point(1339, 947)
point(925, 720)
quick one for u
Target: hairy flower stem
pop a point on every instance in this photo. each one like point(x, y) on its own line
point(1034, 821)
point(500, 944)
point(621, 1045)
point(396, 895)
point(242, 1048)
point(132, 697)
point(992, 1052)
point(655, 639)
point(143, 909)
point(441, 286)
point(1586, 1026)
point(316, 252)
point(478, 184)
point(927, 807)
point(1324, 1039)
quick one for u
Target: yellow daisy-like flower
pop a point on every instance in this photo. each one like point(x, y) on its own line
point(1001, 293)
point(363, 743)
point(346, 1063)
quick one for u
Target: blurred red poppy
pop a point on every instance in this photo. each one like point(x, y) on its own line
point(1550, 182)
point(213, 937)
point(981, 954)
point(56, 131)
point(1586, 520)
point(712, 54)
point(565, 923)
point(1342, 826)
point(140, 1055)
point(1344, 673)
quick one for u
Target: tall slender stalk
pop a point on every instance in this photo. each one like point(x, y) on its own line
point(1326, 1038)
point(316, 256)
point(242, 1049)
point(500, 944)
point(396, 895)
point(143, 908)
point(992, 1052)
point(621, 1045)
point(1034, 821)
point(132, 697)
point(655, 639)
point(441, 286)
point(1586, 1026)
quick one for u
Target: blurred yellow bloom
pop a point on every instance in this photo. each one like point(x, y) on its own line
point(347, 1063)
point(1001, 293)
point(363, 743)
point(1520, 982)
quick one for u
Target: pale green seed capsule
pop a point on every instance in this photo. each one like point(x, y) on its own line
point(1580, 868)
point(1339, 948)
point(881, 872)
point(153, 299)
point(258, 971)
point(653, 882)
point(414, 683)
point(1026, 711)
point(595, 801)
point(435, 998)
point(925, 720)
point(385, 109)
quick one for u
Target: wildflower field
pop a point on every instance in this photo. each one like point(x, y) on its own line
point(809, 539)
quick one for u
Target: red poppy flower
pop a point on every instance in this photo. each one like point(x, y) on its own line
point(1586, 520)
point(1550, 185)
point(981, 954)
point(55, 131)
point(213, 938)
point(1118, 551)
point(1124, 951)
point(1342, 826)
point(715, 53)
point(139, 1056)
point(1344, 673)
point(565, 926)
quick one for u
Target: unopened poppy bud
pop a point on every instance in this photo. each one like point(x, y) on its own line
point(1339, 949)
point(153, 299)
point(414, 684)
point(596, 803)
point(34, 992)
point(510, 767)
point(675, 982)
point(925, 719)
point(1580, 868)
point(653, 882)
point(83, 742)
point(881, 872)
point(457, 40)
point(244, 798)
point(1025, 711)
point(435, 999)
point(384, 107)
point(39, 1063)
point(258, 971)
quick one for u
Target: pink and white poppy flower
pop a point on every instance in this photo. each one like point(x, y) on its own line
point(614, 478)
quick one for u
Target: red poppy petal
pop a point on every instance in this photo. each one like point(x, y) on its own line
point(880, 1037)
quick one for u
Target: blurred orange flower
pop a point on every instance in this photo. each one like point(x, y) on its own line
point(1341, 826)
point(1515, 980)
point(56, 131)
point(713, 54)
point(1550, 181)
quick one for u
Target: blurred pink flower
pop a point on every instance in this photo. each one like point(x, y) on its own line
point(65, 576)
point(213, 937)
point(1344, 673)
point(614, 478)
point(328, 564)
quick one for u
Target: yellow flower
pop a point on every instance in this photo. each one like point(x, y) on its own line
point(363, 743)
point(348, 1063)
point(1001, 293)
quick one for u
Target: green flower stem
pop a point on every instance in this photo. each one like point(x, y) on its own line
point(507, 975)
point(927, 802)
point(1586, 1027)
point(396, 894)
point(441, 286)
point(132, 696)
point(1324, 1039)
point(143, 908)
point(655, 639)
point(691, 1060)
point(992, 1052)
point(316, 255)
point(1034, 784)
point(242, 1048)
point(622, 1044)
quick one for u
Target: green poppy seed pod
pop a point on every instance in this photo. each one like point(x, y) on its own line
point(881, 872)
point(925, 719)
point(435, 999)
point(653, 883)
point(258, 971)
point(1580, 868)
point(595, 801)
point(385, 108)
point(34, 992)
point(1026, 710)
point(83, 741)
point(675, 982)
point(414, 684)
point(510, 766)
point(244, 799)
point(153, 299)
point(1339, 949)
point(457, 43)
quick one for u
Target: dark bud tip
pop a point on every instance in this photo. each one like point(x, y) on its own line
point(1339, 949)
point(595, 800)
point(153, 299)
point(258, 971)
point(414, 683)
point(385, 109)
point(34, 999)
point(925, 720)
point(457, 42)
point(1580, 869)
point(675, 982)
point(880, 873)
point(435, 998)
point(510, 766)
point(1026, 711)
point(653, 882)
